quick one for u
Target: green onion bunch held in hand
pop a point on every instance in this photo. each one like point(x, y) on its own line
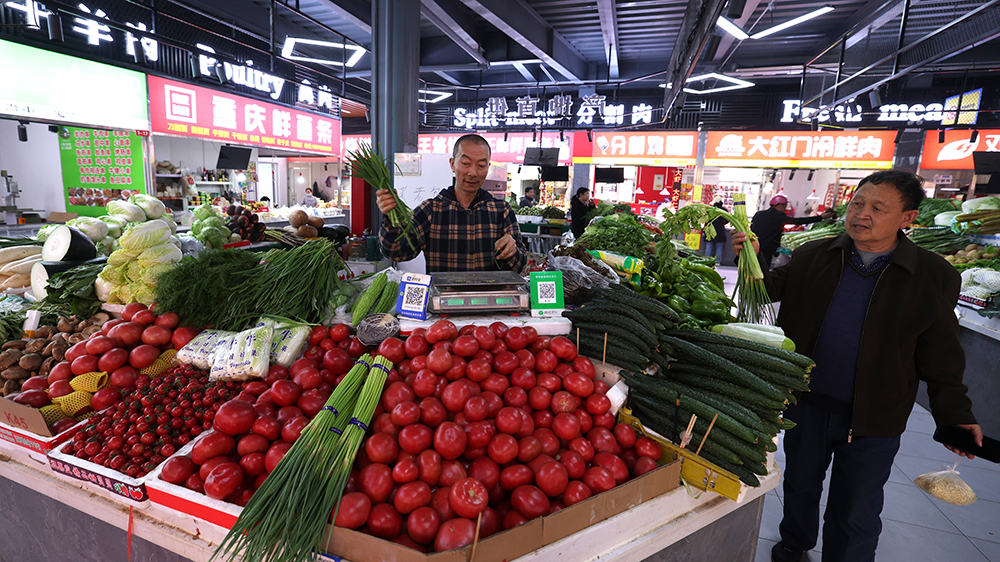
point(370, 165)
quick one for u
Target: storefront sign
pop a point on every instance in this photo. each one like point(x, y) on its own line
point(955, 153)
point(652, 148)
point(558, 111)
point(851, 112)
point(39, 85)
point(193, 111)
point(99, 166)
point(823, 149)
point(506, 151)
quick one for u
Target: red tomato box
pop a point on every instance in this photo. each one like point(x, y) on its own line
point(130, 490)
point(25, 427)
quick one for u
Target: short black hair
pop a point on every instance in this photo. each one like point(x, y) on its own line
point(265, 198)
point(474, 139)
point(528, 190)
point(582, 190)
point(910, 186)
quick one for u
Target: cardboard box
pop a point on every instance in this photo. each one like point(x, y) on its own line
point(61, 217)
point(187, 501)
point(25, 427)
point(519, 541)
point(131, 490)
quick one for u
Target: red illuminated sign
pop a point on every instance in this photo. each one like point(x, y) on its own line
point(806, 149)
point(192, 111)
point(955, 153)
point(504, 149)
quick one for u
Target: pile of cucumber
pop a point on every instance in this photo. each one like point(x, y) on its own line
point(748, 384)
point(628, 322)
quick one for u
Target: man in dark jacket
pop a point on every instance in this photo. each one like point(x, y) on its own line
point(876, 313)
point(529, 198)
point(769, 225)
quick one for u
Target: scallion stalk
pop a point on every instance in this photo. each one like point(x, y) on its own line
point(369, 165)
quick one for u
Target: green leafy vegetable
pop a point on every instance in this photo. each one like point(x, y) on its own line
point(74, 289)
point(618, 233)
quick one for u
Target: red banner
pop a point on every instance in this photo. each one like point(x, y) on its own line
point(192, 111)
point(509, 150)
point(955, 153)
point(646, 148)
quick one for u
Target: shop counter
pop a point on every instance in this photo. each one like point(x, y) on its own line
point(551, 326)
point(49, 517)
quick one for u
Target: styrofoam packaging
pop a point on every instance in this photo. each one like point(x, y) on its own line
point(124, 487)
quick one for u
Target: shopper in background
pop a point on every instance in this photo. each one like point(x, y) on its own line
point(463, 228)
point(769, 225)
point(876, 314)
point(511, 198)
point(578, 209)
point(715, 244)
point(309, 200)
point(529, 198)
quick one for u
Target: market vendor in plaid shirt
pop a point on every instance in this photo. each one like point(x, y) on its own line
point(463, 228)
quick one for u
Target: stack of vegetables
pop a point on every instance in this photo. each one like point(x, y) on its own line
point(980, 283)
point(144, 253)
point(378, 298)
point(210, 228)
point(793, 240)
point(529, 211)
point(930, 209)
point(975, 255)
point(985, 219)
point(736, 387)
point(620, 233)
point(689, 286)
point(552, 212)
point(941, 240)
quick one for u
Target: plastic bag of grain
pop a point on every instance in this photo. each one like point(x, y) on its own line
point(946, 485)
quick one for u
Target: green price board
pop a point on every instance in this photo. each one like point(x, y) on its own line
point(99, 166)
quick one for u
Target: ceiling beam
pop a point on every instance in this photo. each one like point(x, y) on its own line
point(609, 28)
point(862, 15)
point(524, 71)
point(523, 24)
point(452, 18)
point(697, 26)
point(448, 77)
point(357, 12)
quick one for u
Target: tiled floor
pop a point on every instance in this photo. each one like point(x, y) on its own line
point(916, 526)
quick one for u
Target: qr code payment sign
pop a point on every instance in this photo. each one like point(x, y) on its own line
point(547, 292)
point(414, 297)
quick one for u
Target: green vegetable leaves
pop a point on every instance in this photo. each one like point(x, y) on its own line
point(74, 288)
point(618, 233)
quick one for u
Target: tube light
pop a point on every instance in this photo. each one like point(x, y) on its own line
point(737, 84)
point(356, 51)
point(438, 96)
point(732, 28)
point(792, 22)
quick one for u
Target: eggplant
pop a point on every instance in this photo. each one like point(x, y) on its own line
point(66, 243)
point(41, 271)
point(258, 227)
point(231, 210)
point(243, 222)
point(247, 213)
point(254, 218)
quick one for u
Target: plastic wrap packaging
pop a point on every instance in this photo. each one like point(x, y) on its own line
point(288, 341)
point(199, 352)
point(242, 356)
point(579, 279)
point(947, 486)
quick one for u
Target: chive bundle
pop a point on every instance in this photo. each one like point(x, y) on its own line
point(285, 519)
point(369, 165)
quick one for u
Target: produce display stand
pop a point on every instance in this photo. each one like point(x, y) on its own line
point(980, 338)
point(550, 326)
point(59, 518)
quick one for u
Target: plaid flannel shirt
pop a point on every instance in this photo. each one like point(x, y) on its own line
point(454, 238)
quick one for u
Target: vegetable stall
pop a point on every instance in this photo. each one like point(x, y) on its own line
point(256, 404)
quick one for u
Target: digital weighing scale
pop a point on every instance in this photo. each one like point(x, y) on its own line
point(478, 292)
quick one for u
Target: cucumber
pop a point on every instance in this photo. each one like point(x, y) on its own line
point(621, 309)
point(628, 297)
point(653, 418)
point(728, 389)
point(606, 317)
point(626, 337)
point(765, 391)
point(734, 372)
point(723, 404)
point(698, 336)
point(756, 361)
point(744, 474)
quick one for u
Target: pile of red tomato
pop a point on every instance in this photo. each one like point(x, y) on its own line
point(485, 422)
point(254, 430)
point(122, 349)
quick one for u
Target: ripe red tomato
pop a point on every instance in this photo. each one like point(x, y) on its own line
point(563, 401)
point(143, 317)
point(86, 364)
point(354, 510)
point(465, 346)
point(566, 426)
point(613, 465)
point(392, 349)
point(253, 464)
point(552, 478)
point(131, 309)
point(449, 440)
point(605, 420)
point(432, 412)
point(455, 395)
point(625, 435)
point(509, 420)
point(539, 398)
point(485, 470)
point(582, 446)
point(549, 382)
point(468, 497)
point(579, 384)
point(644, 465)
point(515, 397)
point(603, 440)
point(576, 492)
point(585, 366)
point(457, 370)
point(339, 332)
point(505, 363)
point(415, 346)
point(563, 348)
point(499, 329)
point(405, 413)
point(496, 383)
point(441, 503)
point(103, 398)
point(212, 445)
point(484, 337)
point(312, 401)
point(268, 427)
point(516, 475)
point(597, 404)
point(525, 358)
point(182, 336)
point(439, 361)
point(598, 479)
point(382, 448)
point(601, 387)
point(274, 455)
point(646, 447)
point(503, 448)
point(396, 393)
point(375, 481)
point(384, 521)
point(412, 495)
point(440, 331)
point(478, 434)
point(530, 501)
point(476, 409)
point(422, 525)
point(337, 361)
point(451, 472)
point(528, 448)
point(454, 533)
point(586, 421)
point(429, 463)
point(156, 335)
point(415, 438)
point(177, 470)
point(515, 338)
point(405, 470)
point(292, 429)
point(223, 480)
point(234, 417)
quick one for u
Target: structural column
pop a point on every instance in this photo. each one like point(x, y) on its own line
point(395, 79)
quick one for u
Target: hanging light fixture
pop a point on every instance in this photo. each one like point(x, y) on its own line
point(813, 195)
point(300, 179)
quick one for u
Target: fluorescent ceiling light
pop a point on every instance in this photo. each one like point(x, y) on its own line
point(732, 28)
point(356, 51)
point(438, 96)
point(791, 22)
point(737, 84)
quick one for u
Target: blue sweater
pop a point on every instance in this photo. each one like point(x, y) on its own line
point(836, 354)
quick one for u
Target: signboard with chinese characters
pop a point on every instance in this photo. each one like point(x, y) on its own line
point(40, 85)
point(946, 112)
point(560, 111)
point(99, 166)
point(955, 153)
point(506, 151)
point(807, 149)
point(647, 148)
point(193, 111)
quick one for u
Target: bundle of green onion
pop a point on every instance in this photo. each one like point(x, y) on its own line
point(753, 302)
point(287, 516)
point(369, 165)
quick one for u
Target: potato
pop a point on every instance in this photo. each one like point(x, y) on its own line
point(971, 247)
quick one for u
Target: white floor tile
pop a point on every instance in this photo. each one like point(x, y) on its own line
point(922, 423)
point(907, 504)
point(980, 520)
point(990, 549)
point(922, 445)
point(902, 542)
point(764, 547)
point(770, 519)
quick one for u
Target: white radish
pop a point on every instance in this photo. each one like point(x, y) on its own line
point(15, 253)
point(22, 266)
point(16, 282)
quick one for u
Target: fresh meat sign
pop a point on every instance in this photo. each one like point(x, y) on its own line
point(809, 149)
point(192, 111)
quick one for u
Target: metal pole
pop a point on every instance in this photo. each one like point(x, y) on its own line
point(395, 80)
point(272, 30)
point(902, 32)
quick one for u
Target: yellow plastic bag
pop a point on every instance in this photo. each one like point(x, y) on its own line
point(947, 486)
